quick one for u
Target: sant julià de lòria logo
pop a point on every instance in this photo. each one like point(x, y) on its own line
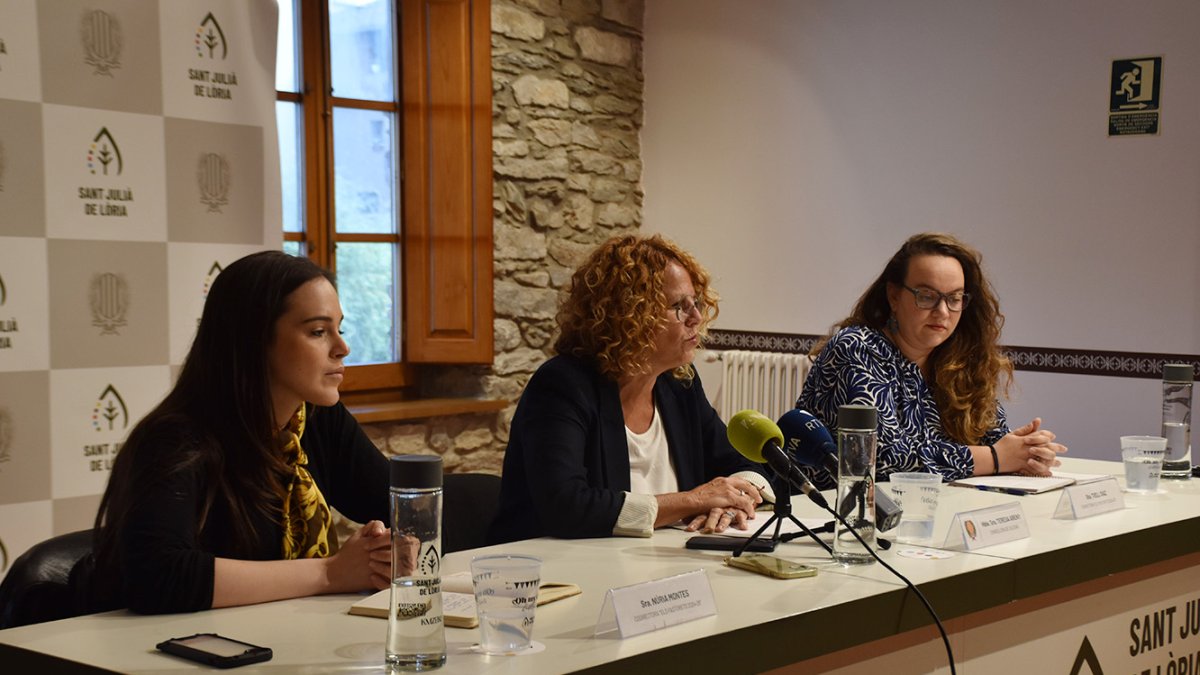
point(104, 155)
point(100, 36)
point(110, 408)
point(108, 295)
point(209, 278)
point(214, 178)
point(210, 39)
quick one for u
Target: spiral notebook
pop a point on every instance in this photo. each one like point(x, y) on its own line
point(458, 600)
point(1028, 485)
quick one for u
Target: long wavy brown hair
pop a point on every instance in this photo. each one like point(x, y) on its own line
point(968, 370)
point(616, 302)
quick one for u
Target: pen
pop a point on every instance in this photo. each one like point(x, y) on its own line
point(1003, 490)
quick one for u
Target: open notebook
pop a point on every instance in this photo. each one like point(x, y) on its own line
point(1029, 485)
point(458, 600)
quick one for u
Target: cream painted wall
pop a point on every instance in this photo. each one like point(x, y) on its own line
point(793, 145)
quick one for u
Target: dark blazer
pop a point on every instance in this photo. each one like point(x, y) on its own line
point(567, 464)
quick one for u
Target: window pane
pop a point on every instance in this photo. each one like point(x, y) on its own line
point(291, 163)
point(360, 45)
point(295, 248)
point(287, 59)
point(364, 159)
point(366, 275)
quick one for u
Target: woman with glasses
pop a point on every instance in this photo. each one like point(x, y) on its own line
point(921, 346)
point(614, 435)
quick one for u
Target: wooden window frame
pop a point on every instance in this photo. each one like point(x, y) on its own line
point(445, 172)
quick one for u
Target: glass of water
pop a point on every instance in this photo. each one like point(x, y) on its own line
point(1143, 458)
point(506, 590)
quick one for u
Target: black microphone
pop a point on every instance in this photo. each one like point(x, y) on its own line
point(809, 441)
point(759, 440)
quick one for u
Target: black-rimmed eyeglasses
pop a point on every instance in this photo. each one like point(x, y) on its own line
point(928, 299)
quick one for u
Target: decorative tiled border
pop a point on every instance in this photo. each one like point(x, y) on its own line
point(784, 343)
point(1039, 359)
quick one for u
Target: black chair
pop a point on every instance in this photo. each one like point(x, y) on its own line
point(37, 587)
point(469, 504)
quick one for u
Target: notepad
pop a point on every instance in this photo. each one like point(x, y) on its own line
point(1028, 485)
point(458, 600)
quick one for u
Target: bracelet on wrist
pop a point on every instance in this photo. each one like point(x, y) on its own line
point(995, 459)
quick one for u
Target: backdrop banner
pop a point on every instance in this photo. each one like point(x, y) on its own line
point(138, 157)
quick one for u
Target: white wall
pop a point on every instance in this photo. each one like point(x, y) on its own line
point(793, 145)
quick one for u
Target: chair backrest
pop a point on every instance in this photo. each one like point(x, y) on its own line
point(37, 587)
point(469, 504)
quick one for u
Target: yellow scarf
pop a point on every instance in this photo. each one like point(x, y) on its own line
point(307, 522)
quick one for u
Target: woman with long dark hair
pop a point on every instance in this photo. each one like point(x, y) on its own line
point(221, 494)
point(922, 346)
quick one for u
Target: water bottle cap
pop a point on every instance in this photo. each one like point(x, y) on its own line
point(1177, 372)
point(857, 417)
point(416, 472)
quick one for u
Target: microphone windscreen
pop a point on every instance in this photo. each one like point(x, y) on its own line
point(749, 431)
point(807, 438)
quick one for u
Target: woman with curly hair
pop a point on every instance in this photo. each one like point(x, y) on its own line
point(614, 436)
point(921, 346)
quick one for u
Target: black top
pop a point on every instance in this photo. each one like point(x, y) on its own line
point(165, 565)
point(567, 464)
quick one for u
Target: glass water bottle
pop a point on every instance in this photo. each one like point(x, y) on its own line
point(857, 440)
point(1177, 420)
point(416, 637)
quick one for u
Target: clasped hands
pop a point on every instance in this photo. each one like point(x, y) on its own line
point(1029, 450)
point(723, 502)
point(364, 561)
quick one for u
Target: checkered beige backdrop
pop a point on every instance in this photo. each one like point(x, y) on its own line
point(138, 157)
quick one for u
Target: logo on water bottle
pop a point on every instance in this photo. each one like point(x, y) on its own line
point(430, 563)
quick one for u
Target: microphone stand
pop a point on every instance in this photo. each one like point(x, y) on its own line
point(783, 509)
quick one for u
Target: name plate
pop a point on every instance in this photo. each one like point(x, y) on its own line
point(650, 605)
point(1089, 499)
point(989, 526)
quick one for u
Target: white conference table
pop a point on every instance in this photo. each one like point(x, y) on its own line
point(761, 623)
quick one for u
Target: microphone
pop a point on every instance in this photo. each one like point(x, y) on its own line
point(809, 441)
point(758, 439)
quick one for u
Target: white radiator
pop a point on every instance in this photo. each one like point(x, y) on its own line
point(764, 381)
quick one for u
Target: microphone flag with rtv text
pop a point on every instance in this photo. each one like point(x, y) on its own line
point(759, 440)
point(808, 440)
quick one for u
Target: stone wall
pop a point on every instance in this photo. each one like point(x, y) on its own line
point(566, 158)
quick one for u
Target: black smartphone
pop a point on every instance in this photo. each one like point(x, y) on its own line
point(213, 650)
point(718, 543)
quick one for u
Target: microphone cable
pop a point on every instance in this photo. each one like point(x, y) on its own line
point(937, 621)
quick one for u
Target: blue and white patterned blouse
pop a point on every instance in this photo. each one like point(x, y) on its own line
point(859, 365)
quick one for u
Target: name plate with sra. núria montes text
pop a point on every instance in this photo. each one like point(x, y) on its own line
point(651, 605)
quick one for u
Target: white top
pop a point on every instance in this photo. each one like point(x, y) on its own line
point(650, 469)
point(650, 473)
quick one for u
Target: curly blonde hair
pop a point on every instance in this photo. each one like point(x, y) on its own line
point(616, 303)
point(969, 371)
